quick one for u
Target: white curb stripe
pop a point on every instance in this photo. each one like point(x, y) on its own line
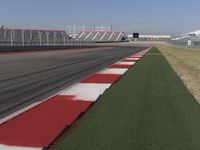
point(114, 71)
point(135, 56)
point(126, 63)
point(6, 147)
point(132, 58)
point(86, 91)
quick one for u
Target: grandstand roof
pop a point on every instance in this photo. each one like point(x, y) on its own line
point(197, 32)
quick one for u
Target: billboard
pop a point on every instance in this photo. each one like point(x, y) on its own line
point(136, 35)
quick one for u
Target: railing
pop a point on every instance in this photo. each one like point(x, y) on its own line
point(75, 30)
point(20, 37)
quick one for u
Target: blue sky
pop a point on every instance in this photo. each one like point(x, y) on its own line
point(145, 16)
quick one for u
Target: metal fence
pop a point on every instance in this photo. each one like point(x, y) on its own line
point(20, 37)
point(186, 43)
point(196, 43)
point(75, 30)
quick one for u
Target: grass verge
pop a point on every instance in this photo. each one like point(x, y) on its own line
point(186, 63)
point(149, 109)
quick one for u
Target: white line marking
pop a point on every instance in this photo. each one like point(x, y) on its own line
point(136, 56)
point(114, 71)
point(21, 111)
point(86, 91)
point(132, 58)
point(126, 63)
point(6, 147)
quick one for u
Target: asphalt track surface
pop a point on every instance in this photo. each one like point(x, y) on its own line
point(26, 78)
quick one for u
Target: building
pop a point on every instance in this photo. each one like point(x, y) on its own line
point(151, 37)
point(191, 35)
point(190, 38)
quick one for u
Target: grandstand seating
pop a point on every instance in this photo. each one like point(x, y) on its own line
point(24, 37)
point(20, 37)
point(100, 36)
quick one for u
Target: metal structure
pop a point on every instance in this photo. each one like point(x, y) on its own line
point(191, 39)
point(75, 30)
point(101, 36)
point(25, 37)
point(72, 35)
point(95, 33)
point(191, 35)
point(22, 37)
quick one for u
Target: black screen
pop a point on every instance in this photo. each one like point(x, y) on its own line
point(135, 35)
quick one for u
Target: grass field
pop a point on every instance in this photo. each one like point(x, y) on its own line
point(149, 109)
point(186, 62)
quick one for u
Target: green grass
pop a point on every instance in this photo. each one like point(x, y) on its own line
point(149, 109)
point(186, 64)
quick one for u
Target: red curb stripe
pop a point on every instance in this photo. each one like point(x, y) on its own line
point(121, 66)
point(41, 125)
point(102, 78)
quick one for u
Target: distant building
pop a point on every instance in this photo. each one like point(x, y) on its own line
point(151, 37)
point(190, 38)
point(191, 35)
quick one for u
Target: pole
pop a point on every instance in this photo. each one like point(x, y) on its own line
point(11, 37)
point(74, 29)
point(23, 38)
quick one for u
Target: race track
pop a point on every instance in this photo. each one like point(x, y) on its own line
point(26, 78)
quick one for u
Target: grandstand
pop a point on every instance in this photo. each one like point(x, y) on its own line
point(95, 33)
point(25, 37)
point(100, 36)
point(191, 35)
point(72, 35)
point(190, 39)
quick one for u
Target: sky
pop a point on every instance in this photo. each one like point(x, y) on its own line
point(145, 16)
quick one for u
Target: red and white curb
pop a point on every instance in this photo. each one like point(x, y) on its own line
point(37, 126)
point(86, 91)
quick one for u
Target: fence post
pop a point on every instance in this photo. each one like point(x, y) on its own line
point(11, 37)
point(47, 36)
point(23, 38)
point(64, 40)
point(54, 38)
point(40, 37)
